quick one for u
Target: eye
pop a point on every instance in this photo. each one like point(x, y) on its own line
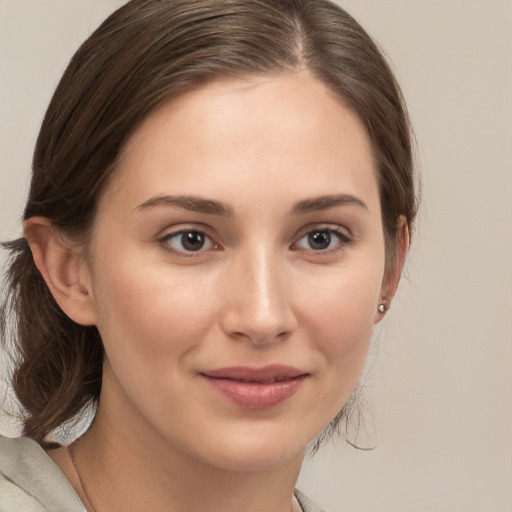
point(325, 239)
point(188, 241)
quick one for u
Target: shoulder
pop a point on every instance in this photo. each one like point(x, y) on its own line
point(30, 481)
point(306, 504)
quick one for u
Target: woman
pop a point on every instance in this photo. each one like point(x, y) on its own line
point(219, 213)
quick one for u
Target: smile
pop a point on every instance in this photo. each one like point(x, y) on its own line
point(256, 388)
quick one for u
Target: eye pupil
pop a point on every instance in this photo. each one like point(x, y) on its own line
point(319, 240)
point(192, 241)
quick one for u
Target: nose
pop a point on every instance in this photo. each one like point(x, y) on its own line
point(257, 299)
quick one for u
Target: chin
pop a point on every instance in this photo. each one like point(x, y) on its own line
point(257, 452)
point(244, 461)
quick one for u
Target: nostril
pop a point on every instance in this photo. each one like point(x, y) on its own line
point(258, 317)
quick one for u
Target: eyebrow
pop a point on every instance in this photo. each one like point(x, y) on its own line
point(325, 202)
point(191, 203)
point(213, 207)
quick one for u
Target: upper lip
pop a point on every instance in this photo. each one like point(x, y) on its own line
point(265, 374)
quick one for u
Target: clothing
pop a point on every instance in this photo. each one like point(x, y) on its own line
point(31, 482)
point(305, 503)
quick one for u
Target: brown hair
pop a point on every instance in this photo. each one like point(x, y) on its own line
point(145, 53)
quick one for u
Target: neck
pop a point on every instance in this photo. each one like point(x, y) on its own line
point(125, 465)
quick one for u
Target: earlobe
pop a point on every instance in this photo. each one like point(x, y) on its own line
point(61, 267)
point(391, 282)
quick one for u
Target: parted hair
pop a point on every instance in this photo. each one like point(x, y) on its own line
point(144, 54)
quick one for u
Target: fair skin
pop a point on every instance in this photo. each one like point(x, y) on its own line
point(242, 230)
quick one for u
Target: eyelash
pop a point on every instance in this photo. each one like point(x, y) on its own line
point(165, 242)
point(344, 240)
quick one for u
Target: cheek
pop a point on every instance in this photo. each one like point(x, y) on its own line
point(152, 327)
point(150, 313)
point(339, 316)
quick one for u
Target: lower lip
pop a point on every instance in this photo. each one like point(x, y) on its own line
point(257, 395)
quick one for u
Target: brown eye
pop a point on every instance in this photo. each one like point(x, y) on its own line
point(319, 240)
point(192, 241)
point(188, 241)
point(325, 239)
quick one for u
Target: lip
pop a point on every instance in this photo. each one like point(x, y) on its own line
point(256, 388)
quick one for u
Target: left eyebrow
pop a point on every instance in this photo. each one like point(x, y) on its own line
point(325, 202)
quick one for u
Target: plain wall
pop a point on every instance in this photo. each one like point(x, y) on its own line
point(442, 379)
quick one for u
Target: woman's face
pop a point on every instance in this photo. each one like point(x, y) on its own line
point(235, 269)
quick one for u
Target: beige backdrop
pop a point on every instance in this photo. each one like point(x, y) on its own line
point(442, 379)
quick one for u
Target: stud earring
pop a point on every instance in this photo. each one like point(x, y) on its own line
point(381, 308)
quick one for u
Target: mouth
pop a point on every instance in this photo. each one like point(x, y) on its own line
point(256, 388)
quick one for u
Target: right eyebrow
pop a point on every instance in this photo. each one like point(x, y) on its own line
point(191, 203)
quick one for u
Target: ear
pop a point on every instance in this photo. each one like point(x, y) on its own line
point(63, 269)
point(392, 279)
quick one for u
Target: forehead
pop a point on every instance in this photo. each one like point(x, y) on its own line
point(260, 132)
